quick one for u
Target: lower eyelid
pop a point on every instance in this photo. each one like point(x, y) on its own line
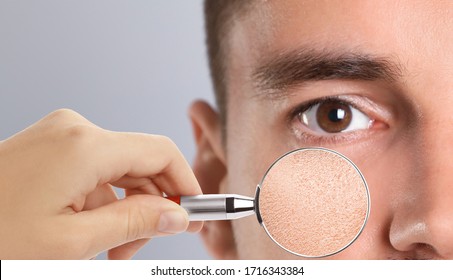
point(323, 140)
point(312, 139)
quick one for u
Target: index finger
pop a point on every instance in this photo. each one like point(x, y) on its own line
point(145, 156)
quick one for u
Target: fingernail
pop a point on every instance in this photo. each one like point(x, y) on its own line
point(172, 222)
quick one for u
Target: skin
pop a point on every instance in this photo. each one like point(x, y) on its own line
point(62, 204)
point(57, 199)
point(404, 154)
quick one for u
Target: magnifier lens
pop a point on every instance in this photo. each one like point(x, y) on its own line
point(313, 202)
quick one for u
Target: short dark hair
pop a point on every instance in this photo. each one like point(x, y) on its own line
point(219, 18)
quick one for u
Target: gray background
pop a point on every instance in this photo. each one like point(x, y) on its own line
point(124, 65)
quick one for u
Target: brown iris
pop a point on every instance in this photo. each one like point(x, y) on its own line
point(333, 116)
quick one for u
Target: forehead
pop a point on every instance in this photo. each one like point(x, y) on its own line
point(270, 26)
point(411, 32)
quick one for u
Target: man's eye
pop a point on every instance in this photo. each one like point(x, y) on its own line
point(334, 116)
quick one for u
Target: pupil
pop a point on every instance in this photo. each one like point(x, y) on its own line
point(336, 115)
point(333, 116)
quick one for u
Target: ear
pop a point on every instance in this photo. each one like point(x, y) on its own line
point(210, 169)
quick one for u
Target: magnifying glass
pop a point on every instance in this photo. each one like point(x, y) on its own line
point(312, 202)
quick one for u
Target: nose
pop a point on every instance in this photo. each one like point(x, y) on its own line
point(422, 224)
point(424, 235)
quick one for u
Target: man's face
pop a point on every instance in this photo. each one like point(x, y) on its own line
point(388, 65)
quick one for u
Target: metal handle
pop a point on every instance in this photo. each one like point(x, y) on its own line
point(216, 206)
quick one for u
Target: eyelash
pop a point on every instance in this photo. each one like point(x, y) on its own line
point(334, 138)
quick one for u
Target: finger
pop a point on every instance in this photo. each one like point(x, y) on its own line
point(102, 195)
point(195, 227)
point(137, 186)
point(146, 156)
point(135, 217)
point(62, 118)
point(127, 182)
point(146, 186)
point(126, 251)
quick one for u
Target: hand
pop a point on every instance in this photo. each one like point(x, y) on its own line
point(57, 199)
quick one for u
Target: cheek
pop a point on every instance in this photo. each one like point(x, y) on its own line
point(252, 143)
point(246, 165)
point(389, 172)
point(250, 151)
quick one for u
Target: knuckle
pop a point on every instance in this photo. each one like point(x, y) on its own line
point(78, 132)
point(167, 143)
point(138, 225)
point(64, 114)
point(165, 140)
point(68, 126)
point(65, 117)
point(79, 138)
point(135, 225)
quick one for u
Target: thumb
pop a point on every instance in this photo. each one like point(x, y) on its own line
point(134, 217)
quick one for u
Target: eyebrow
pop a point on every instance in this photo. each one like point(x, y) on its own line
point(288, 69)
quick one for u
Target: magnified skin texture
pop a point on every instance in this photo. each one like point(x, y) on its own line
point(313, 202)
